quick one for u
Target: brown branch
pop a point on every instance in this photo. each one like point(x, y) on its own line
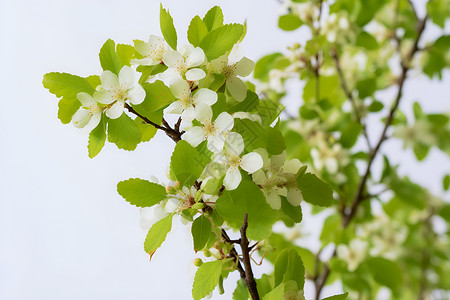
point(249, 280)
point(359, 197)
point(234, 254)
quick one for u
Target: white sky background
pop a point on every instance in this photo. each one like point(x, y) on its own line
point(64, 231)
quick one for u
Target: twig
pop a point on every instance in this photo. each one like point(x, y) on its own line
point(249, 280)
point(234, 254)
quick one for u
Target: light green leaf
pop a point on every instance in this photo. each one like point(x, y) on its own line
point(66, 85)
point(201, 230)
point(439, 11)
point(331, 226)
point(247, 198)
point(265, 64)
point(249, 104)
point(366, 40)
point(157, 235)
point(241, 291)
point(276, 294)
point(186, 163)
point(207, 278)
point(386, 272)
point(167, 27)
point(350, 134)
point(289, 266)
point(275, 141)
point(289, 22)
point(140, 192)
point(337, 297)
point(253, 134)
point(213, 18)
point(109, 59)
point(147, 131)
point(446, 182)
point(197, 31)
point(315, 191)
point(97, 138)
point(269, 111)
point(126, 53)
point(124, 132)
point(158, 96)
point(219, 41)
point(67, 107)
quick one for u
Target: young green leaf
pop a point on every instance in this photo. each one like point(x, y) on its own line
point(126, 53)
point(201, 229)
point(140, 192)
point(109, 59)
point(241, 291)
point(275, 141)
point(167, 27)
point(157, 97)
point(289, 22)
point(337, 297)
point(157, 235)
point(207, 278)
point(289, 266)
point(66, 85)
point(186, 164)
point(446, 182)
point(197, 31)
point(217, 42)
point(213, 18)
point(147, 131)
point(124, 132)
point(315, 191)
point(67, 107)
point(97, 138)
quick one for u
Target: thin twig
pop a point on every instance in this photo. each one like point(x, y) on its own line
point(249, 279)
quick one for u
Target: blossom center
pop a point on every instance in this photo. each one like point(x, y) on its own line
point(209, 128)
point(235, 161)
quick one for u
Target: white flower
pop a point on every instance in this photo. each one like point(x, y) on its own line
point(187, 103)
point(89, 115)
point(152, 51)
point(230, 157)
point(183, 63)
point(245, 115)
point(213, 132)
point(118, 89)
point(231, 69)
point(353, 254)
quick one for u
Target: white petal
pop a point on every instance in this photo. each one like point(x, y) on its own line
point(194, 136)
point(216, 143)
point(86, 99)
point(205, 96)
point(259, 177)
point(170, 73)
point(81, 118)
point(142, 48)
point(292, 166)
point(126, 77)
point(172, 58)
point(109, 80)
point(136, 94)
point(224, 122)
point(188, 114)
point(244, 67)
point(237, 88)
point(116, 110)
point(219, 64)
point(274, 200)
point(221, 158)
point(331, 164)
point(203, 113)
point(276, 161)
point(195, 74)
point(251, 162)
point(148, 61)
point(93, 122)
point(234, 143)
point(103, 97)
point(172, 205)
point(232, 179)
point(180, 88)
point(174, 108)
point(195, 58)
point(294, 196)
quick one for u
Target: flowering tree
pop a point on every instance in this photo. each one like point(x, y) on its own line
point(239, 165)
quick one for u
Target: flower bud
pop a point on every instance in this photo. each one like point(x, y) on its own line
point(198, 262)
point(198, 205)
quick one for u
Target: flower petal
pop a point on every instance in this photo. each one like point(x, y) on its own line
point(251, 162)
point(93, 122)
point(203, 113)
point(136, 94)
point(81, 118)
point(294, 196)
point(292, 166)
point(188, 114)
point(195, 57)
point(86, 100)
point(142, 47)
point(115, 110)
point(172, 58)
point(126, 77)
point(232, 179)
point(205, 96)
point(103, 97)
point(234, 143)
point(259, 177)
point(216, 143)
point(237, 88)
point(109, 80)
point(180, 88)
point(148, 61)
point(274, 200)
point(224, 122)
point(244, 67)
point(194, 136)
point(174, 108)
point(219, 64)
point(195, 74)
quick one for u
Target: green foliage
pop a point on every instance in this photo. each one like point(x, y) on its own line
point(157, 96)
point(315, 191)
point(289, 22)
point(439, 11)
point(217, 42)
point(241, 291)
point(67, 107)
point(213, 18)
point(207, 278)
point(197, 31)
point(157, 235)
point(66, 85)
point(275, 141)
point(109, 59)
point(124, 132)
point(446, 182)
point(289, 266)
point(167, 27)
point(386, 272)
point(141, 193)
point(337, 297)
point(201, 229)
point(185, 163)
point(97, 138)
point(436, 60)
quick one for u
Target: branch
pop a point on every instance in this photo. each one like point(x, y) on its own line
point(249, 280)
point(234, 254)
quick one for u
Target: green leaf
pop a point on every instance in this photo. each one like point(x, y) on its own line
point(124, 132)
point(186, 163)
point(439, 11)
point(445, 212)
point(386, 272)
point(331, 225)
point(269, 111)
point(289, 266)
point(109, 59)
point(375, 106)
point(158, 96)
point(249, 104)
point(140, 192)
point(157, 235)
point(337, 297)
point(147, 131)
point(67, 107)
point(126, 53)
point(350, 134)
point(293, 213)
point(366, 87)
point(167, 27)
point(436, 59)
point(315, 191)
point(264, 65)
point(241, 291)
point(217, 42)
point(289, 22)
point(253, 134)
point(201, 230)
point(207, 278)
point(420, 151)
point(275, 141)
point(366, 40)
point(247, 198)
point(97, 138)
point(197, 31)
point(213, 18)
point(276, 294)
point(446, 182)
point(66, 85)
